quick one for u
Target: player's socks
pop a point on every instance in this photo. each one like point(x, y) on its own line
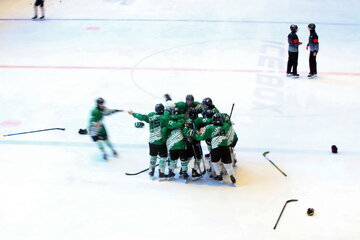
point(152, 162)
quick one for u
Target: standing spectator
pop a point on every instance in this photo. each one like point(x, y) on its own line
point(39, 3)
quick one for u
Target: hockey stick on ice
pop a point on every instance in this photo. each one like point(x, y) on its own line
point(134, 174)
point(42, 130)
point(291, 200)
point(267, 152)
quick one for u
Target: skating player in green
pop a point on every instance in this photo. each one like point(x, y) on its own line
point(158, 123)
point(97, 128)
point(217, 134)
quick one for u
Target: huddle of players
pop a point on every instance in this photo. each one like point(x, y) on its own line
point(293, 50)
point(178, 130)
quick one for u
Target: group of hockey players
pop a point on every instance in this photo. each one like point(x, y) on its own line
point(294, 43)
point(176, 132)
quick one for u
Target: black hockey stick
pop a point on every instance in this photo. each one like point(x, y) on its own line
point(42, 130)
point(194, 152)
point(291, 200)
point(232, 108)
point(134, 174)
point(193, 147)
point(267, 152)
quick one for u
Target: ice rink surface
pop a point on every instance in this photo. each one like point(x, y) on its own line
point(55, 185)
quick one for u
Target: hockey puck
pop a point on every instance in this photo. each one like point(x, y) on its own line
point(310, 212)
point(334, 149)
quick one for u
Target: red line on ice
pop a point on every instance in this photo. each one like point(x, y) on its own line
point(10, 123)
point(92, 28)
point(159, 69)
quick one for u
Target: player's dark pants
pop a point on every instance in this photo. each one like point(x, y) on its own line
point(191, 146)
point(176, 154)
point(39, 3)
point(292, 63)
point(156, 150)
point(222, 153)
point(233, 144)
point(100, 138)
point(312, 63)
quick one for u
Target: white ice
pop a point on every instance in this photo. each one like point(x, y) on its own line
point(54, 185)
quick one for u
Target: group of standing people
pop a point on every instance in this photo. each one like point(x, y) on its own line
point(176, 132)
point(294, 44)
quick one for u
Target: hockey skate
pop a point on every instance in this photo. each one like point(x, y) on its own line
point(162, 176)
point(295, 76)
point(311, 76)
point(195, 175)
point(171, 175)
point(233, 179)
point(151, 173)
point(218, 178)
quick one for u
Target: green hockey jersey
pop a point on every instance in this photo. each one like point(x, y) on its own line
point(184, 108)
point(217, 135)
point(175, 138)
point(157, 125)
point(96, 125)
point(232, 136)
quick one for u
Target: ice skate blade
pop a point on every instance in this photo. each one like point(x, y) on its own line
point(171, 178)
point(194, 179)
